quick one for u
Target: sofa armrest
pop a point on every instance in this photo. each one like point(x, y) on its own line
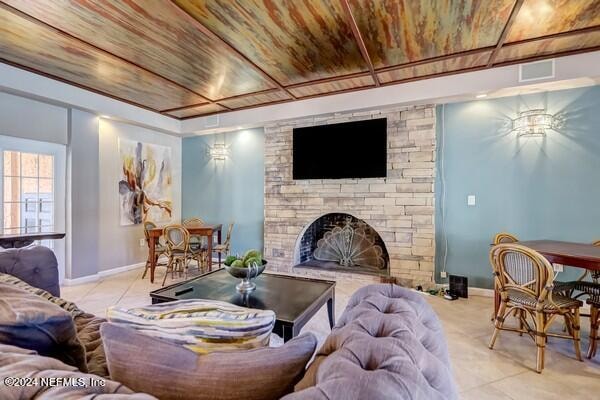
point(36, 265)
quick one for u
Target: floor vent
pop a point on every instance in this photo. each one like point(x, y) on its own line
point(536, 71)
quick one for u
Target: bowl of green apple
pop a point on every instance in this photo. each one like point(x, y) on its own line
point(246, 268)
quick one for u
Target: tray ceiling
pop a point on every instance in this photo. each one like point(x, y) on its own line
point(186, 58)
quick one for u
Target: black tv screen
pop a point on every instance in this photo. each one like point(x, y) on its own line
point(346, 150)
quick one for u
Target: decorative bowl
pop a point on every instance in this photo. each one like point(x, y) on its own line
point(246, 274)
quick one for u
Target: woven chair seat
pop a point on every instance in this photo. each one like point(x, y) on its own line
point(590, 288)
point(160, 249)
point(563, 302)
point(564, 286)
point(197, 248)
point(594, 301)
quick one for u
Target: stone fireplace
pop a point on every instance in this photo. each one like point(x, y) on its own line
point(396, 212)
point(344, 243)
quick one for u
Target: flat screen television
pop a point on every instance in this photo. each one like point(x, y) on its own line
point(346, 150)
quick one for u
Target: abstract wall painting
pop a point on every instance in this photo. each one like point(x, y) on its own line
point(145, 183)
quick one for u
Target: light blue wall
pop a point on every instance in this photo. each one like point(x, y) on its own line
point(230, 190)
point(536, 188)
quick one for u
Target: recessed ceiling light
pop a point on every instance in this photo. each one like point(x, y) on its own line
point(481, 96)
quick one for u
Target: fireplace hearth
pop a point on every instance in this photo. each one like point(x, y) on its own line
point(342, 242)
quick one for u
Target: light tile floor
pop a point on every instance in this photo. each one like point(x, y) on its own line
point(507, 372)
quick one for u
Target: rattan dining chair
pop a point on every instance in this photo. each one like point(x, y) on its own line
point(591, 289)
point(179, 251)
point(594, 303)
point(580, 285)
point(225, 247)
point(504, 237)
point(197, 243)
point(524, 279)
point(159, 247)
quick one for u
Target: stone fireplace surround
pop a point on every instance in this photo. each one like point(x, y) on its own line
point(399, 207)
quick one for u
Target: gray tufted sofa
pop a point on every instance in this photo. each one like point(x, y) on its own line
point(35, 265)
point(388, 344)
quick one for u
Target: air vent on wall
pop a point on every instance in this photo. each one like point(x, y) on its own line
point(536, 71)
point(212, 121)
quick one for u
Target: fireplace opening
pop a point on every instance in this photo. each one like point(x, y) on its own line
point(342, 242)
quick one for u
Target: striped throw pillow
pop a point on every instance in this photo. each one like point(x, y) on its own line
point(202, 326)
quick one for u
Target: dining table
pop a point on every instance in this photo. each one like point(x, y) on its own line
point(580, 255)
point(207, 230)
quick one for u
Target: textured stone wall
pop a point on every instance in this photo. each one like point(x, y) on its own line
point(400, 207)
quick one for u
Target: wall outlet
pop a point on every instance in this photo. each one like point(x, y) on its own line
point(558, 267)
point(142, 242)
point(444, 274)
point(471, 200)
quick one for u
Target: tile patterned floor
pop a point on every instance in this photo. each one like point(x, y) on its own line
point(506, 373)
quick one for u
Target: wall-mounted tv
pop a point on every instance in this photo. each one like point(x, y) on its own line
point(346, 150)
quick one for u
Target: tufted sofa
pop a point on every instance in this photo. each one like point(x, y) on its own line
point(35, 265)
point(388, 344)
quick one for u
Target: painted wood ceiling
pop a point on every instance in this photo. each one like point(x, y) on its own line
point(187, 58)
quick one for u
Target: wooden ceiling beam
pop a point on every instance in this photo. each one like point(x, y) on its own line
point(504, 35)
point(359, 40)
point(328, 80)
point(217, 101)
point(557, 35)
point(435, 59)
point(229, 48)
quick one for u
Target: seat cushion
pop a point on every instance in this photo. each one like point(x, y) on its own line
point(170, 371)
point(202, 326)
point(32, 322)
point(530, 301)
point(388, 344)
point(19, 362)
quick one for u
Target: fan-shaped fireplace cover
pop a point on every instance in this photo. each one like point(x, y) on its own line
point(340, 241)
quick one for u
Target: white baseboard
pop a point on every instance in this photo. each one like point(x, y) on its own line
point(80, 281)
point(101, 274)
point(109, 272)
point(475, 291)
point(118, 270)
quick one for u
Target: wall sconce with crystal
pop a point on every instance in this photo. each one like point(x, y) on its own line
point(218, 151)
point(535, 123)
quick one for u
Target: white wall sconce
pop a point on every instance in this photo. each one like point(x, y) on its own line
point(535, 123)
point(218, 151)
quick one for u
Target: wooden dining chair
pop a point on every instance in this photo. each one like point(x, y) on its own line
point(159, 247)
point(524, 279)
point(225, 247)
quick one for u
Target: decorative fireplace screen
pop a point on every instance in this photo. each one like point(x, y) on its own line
point(350, 247)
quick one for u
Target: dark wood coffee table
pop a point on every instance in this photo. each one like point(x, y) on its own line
point(294, 300)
